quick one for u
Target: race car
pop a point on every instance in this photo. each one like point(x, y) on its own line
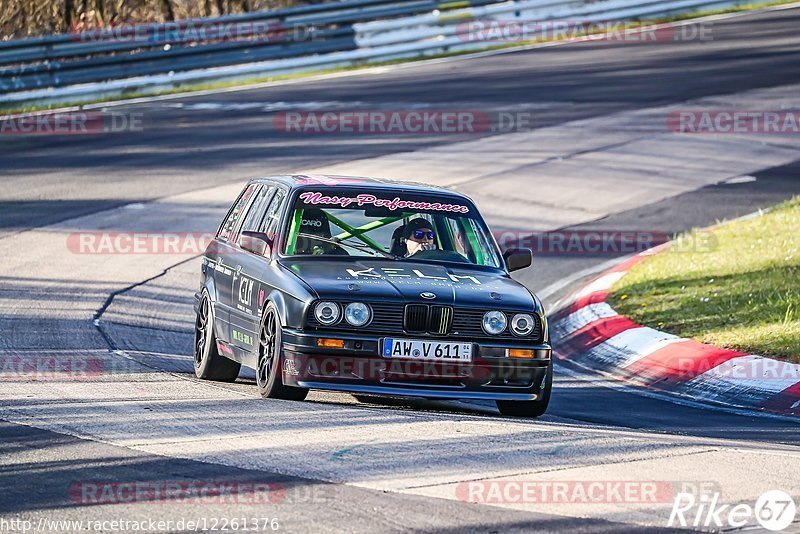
point(372, 287)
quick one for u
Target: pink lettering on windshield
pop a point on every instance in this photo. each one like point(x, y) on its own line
point(315, 198)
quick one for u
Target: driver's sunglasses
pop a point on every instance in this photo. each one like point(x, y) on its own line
point(424, 234)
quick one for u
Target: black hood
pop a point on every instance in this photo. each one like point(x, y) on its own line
point(405, 281)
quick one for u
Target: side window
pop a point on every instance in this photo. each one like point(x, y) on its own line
point(256, 213)
point(229, 225)
point(477, 244)
point(269, 224)
point(458, 239)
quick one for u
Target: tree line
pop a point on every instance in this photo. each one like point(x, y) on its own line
point(26, 18)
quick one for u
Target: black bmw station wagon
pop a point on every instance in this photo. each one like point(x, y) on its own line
point(369, 286)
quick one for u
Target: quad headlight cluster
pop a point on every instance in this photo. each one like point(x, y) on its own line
point(355, 313)
point(360, 314)
point(496, 322)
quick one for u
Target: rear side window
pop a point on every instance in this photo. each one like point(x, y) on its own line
point(229, 225)
point(255, 215)
point(269, 224)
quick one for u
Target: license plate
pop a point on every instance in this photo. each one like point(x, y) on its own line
point(427, 350)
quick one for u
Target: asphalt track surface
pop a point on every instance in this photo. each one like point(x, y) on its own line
point(194, 143)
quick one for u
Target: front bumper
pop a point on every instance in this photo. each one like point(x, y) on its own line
point(359, 367)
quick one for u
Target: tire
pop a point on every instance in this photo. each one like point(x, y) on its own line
point(270, 361)
point(208, 363)
point(531, 409)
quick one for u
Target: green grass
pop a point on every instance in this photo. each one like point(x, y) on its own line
point(733, 9)
point(190, 87)
point(737, 286)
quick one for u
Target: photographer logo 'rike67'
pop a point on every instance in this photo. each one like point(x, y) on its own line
point(774, 510)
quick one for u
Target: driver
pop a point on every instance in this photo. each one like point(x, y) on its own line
point(419, 236)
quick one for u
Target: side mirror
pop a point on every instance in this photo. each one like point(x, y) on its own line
point(518, 258)
point(255, 242)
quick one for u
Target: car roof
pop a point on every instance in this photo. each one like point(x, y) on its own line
point(297, 181)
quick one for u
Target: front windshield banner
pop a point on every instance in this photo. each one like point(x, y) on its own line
point(315, 197)
point(422, 227)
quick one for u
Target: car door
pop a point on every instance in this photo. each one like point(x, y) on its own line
point(223, 265)
point(251, 282)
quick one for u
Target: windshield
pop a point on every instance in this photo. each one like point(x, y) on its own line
point(387, 225)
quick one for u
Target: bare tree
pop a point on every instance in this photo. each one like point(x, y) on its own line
point(19, 18)
point(169, 13)
point(69, 8)
point(100, 11)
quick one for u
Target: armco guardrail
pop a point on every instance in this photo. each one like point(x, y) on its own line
point(42, 44)
point(108, 63)
point(151, 49)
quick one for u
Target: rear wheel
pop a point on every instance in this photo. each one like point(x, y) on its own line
point(270, 349)
point(535, 408)
point(208, 363)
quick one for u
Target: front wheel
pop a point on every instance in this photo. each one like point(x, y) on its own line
point(208, 363)
point(270, 349)
point(531, 409)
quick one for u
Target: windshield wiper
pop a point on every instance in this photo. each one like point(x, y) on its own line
point(342, 243)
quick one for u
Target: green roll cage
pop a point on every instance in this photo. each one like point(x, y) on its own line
point(359, 232)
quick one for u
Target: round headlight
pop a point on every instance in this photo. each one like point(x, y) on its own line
point(494, 322)
point(522, 324)
point(327, 312)
point(357, 313)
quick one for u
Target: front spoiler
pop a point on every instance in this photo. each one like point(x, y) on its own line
point(359, 367)
point(397, 391)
